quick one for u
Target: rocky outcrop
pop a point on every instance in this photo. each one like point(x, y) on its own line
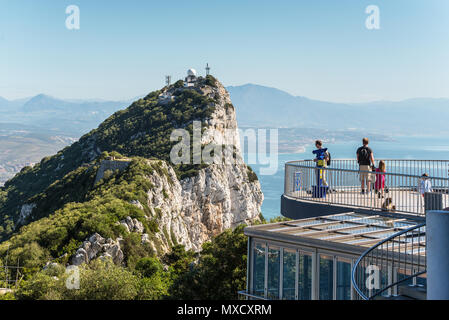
point(4, 291)
point(25, 212)
point(132, 225)
point(194, 210)
point(98, 247)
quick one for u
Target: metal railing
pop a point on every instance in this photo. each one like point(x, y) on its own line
point(399, 259)
point(400, 189)
point(10, 276)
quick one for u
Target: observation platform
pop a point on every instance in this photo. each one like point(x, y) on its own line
point(403, 192)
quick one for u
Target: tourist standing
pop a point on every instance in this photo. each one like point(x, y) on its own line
point(425, 186)
point(321, 159)
point(365, 158)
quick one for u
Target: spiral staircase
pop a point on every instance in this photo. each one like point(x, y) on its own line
point(393, 269)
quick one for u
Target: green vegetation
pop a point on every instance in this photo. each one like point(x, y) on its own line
point(100, 280)
point(104, 205)
point(69, 207)
point(144, 128)
point(252, 176)
point(141, 130)
point(218, 274)
point(210, 81)
point(33, 181)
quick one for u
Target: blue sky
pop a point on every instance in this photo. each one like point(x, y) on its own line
point(315, 48)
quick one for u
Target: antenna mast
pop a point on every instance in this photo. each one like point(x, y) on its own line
point(168, 80)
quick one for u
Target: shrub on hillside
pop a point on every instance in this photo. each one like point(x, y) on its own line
point(220, 271)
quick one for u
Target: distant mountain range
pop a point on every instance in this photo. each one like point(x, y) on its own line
point(264, 106)
point(256, 105)
point(72, 117)
point(31, 128)
point(41, 125)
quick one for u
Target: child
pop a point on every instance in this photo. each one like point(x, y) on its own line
point(424, 184)
point(379, 185)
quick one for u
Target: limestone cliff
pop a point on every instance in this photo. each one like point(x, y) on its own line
point(220, 196)
point(195, 209)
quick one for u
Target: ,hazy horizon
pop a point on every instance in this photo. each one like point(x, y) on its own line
point(128, 99)
point(318, 49)
point(256, 106)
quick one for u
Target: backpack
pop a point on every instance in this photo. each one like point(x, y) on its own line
point(364, 155)
point(328, 158)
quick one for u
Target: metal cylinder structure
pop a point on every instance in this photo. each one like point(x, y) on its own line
point(437, 234)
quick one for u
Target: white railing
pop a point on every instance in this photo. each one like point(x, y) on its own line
point(405, 190)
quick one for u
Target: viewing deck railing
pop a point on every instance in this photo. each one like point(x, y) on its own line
point(395, 261)
point(406, 191)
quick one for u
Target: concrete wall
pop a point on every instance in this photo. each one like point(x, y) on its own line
point(302, 209)
point(110, 165)
point(297, 209)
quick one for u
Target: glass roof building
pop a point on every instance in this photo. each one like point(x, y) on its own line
point(344, 243)
point(312, 258)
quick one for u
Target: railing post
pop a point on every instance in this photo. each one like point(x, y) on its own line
point(437, 239)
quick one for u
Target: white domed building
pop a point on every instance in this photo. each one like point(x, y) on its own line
point(191, 78)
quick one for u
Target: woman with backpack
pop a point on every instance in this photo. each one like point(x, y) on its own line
point(322, 159)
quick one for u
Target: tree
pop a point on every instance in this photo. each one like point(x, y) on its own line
point(103, 280)
point(220, 271)
point(148, 267)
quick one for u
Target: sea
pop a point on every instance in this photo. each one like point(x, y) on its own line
point(401, 147)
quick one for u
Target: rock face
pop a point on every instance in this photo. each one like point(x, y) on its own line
point(221, 196)
point(132, 225)
point(195, 209)
point(25, 211)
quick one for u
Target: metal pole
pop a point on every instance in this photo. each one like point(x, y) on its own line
point(437, 234)
point(248, 265)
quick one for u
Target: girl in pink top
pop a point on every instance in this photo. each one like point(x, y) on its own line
point(380, 179)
